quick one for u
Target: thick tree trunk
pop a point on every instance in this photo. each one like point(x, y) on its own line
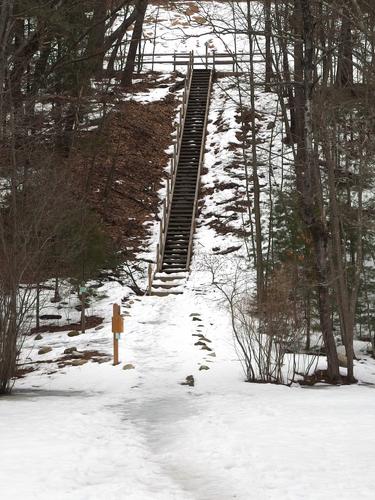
point(311, 197)
point(134, 43)
point(95, 44)
point(344, 75)
point(298, 104)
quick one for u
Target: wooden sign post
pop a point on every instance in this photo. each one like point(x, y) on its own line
point(117, 329)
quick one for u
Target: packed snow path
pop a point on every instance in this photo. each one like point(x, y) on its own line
point(102, 432)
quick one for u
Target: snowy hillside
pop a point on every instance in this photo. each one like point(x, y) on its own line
point(176, 419)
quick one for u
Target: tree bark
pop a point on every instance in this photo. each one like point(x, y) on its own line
point(344, 75)
point(127, 76)
point(309, 182)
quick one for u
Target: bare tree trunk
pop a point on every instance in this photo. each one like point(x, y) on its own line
point(95, 43)
point(259, 264)
point(267, 27)
point(346, 288)
point(309, 181)
point(134, 43)
point(344, 75)
point(37, 306)
point(5, 27)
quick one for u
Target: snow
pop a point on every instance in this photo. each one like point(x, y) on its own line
point(97, 431)
point(152, 95)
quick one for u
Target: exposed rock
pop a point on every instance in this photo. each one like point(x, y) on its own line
point(229, 250)
point(79, 362)
point(38, 337)
point(129, 366)
point(70, 350)
point(206, 348)
point(204, 339)
point(204, 367)
point(44, 350)
point(101, 360)
point(50, 316)
point(196, 318)
point(212, 354)
point(189, 381)
point(73, 333)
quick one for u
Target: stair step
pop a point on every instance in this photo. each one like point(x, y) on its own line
point(172, 257)
point(171, 241)
point(173, 245)
point(175, 259)
point(182, 211)
point(159, 293)
point(170, 273)
point(177, 226)
point(170, 246)
point(177, 234)
point(175, 264)
point(182, 218)
point(166, 286)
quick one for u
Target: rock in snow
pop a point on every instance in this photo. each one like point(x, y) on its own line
point(129, 366)
point(44, 350)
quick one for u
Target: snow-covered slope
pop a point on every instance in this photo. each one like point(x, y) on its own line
point(179, 422)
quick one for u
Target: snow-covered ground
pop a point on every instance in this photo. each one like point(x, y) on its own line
point(97, 431)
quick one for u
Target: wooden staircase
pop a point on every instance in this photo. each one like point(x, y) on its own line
point(180, 227)
point(178, 222)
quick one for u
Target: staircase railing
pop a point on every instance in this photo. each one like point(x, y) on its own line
point(171, 179)
point(201, 158)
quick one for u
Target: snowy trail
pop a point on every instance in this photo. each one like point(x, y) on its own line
point(165, 410)
point(101, 432)
point(224, 439)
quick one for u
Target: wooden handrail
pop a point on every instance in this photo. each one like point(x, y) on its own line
point(214, 53)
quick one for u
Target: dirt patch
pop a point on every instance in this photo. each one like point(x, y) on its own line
point(74, 358)
point(321, 377)
point(91, 322)
point(22, 372)
point(78, 358)
point(123, 168)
